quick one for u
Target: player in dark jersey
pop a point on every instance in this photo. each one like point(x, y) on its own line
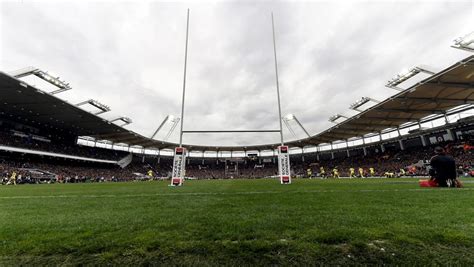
point(443, 169)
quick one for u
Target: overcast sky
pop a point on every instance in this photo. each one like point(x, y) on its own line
point(130, 55)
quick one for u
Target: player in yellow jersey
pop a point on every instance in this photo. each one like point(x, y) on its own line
point(12, 179)
point(322, 172)
point(309, 172)
point(402, 172)
point(335, 173)
point(372, 172)
point(150, 175)
point(361, 172)
point(352, 173)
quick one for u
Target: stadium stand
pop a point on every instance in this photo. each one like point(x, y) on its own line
point(39, 138)
point(19, 139)
point(442, 94)
point(412, 160)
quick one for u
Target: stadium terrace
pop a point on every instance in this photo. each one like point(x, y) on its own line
point(442, 95)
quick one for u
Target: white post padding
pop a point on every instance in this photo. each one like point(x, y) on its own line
point(284, 165)
point(179, 166)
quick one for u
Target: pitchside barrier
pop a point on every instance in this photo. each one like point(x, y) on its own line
point(179, 170)
point(284, 165)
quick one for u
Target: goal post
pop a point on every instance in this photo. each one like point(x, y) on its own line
point(179, 167)
point(179, 160)
point(284, 165)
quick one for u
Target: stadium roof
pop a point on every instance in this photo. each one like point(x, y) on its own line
point(437, 94)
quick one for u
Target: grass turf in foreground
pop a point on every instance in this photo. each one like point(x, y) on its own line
point(235, 222)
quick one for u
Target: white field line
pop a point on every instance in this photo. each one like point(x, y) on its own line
point(236, 193)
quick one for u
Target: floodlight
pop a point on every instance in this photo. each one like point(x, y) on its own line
point(103, 108)
point(170, 118)
point(62, 85)
point(126, 120)
point(335, 117)
point(405, 75)
point(361, 102)
point(465, 43)
point(174, 119)
point(290, 117)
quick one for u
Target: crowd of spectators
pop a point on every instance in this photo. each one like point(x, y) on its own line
point(232, 169)
point(38, 172)
point(410, 162)
point(28, 141)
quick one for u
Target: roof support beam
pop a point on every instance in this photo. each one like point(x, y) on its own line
point(439, 100)
point(390, 119)
point(323, 139)
point(360, 131)
point(125, 139)
point(408, 111)
point(338, 135)
point(370, 124)
point(146, 144)
point(138, 142)
point(111, 135)
point(451, 84)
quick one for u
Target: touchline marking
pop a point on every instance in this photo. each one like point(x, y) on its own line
point(236, 193)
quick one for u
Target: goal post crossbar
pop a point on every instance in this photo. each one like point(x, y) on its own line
point(232, 131)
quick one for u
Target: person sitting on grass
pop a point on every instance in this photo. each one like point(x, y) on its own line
point(443, 169)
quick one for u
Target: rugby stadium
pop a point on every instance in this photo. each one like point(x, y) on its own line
point(81, 189)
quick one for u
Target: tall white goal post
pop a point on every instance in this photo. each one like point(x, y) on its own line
point(179, 160)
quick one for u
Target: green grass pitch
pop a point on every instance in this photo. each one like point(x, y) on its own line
point(238, 222)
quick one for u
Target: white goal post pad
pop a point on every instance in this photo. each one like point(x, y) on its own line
point(284, 165)
point(179, 163)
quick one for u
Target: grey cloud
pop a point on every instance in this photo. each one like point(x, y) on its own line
point(130, 56)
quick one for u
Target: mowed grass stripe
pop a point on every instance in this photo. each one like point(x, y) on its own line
point(221, 222)
point(236, 193)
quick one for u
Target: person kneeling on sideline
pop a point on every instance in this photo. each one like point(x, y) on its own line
point(443, 169)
